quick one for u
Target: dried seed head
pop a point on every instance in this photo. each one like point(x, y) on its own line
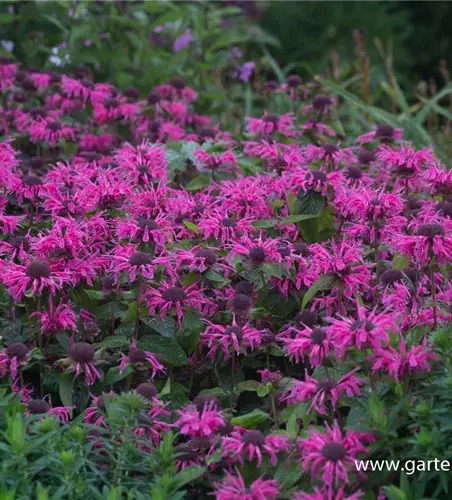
point(54, 126)
point(244, 287)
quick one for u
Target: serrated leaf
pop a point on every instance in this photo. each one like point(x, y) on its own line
point(114, 341)
point(114, 375)
point(168, 351)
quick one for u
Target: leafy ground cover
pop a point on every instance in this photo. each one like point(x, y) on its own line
point(193, 304)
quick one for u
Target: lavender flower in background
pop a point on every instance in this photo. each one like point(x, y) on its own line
point(183, 40)
point(246, 70)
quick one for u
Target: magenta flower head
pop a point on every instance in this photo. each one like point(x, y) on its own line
point(331, 456)
point(95, 413)
point(51, 131)
point(171, 297)
point(57, 319)
point(13, 357)
point(135, 263)
point(37, 275)
point(202, 423)
point(315, 343)
point(320, 392)
point(431, 239)
point(43, 407)
point(83, 358)
point(140, 360)
point(250, 445)
point(328, 493)
point(369, 330)
point(233, 487)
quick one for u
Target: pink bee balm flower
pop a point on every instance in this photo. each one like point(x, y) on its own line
point(169, 296)
point(402, 362)
point(42, 407)
point(316, 343)
point(321, 391)
point(328, 455)
point(234, 488)
point(51, 131)
point(82, 357)
point(269, 124)
point(14, 356)
point(140, 360)
point(37, 275)
point(58, 318)
point(368, 330)
point(202, 423)
point(328, 493)
point(250, 445)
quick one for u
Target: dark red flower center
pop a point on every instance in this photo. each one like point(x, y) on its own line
point(384, 131)
point(334, 451)
point(147, 390)
point(227, 222)
point(140, 259)
point(241, 303)
point(177, 82)
point(257, 255)
point(294, 81)
point(308, 318)
point(38, 269)
point(209, 256)
point(391, 276)
point(271, 119)
point(81, 352)
point(330, 148)
point(147, 223)
point(18, 351)
point(430, 230)
point(254, 437)
point(137, 355)
point(318, 336)
point(321, 101)
point(365, 157)
point(236, 330)
point(327, 384)
point(17, 241)
point(354, 173)
point(32, 180)
point(202, 399)
point(38, 407)
point(54, 126)
point(362, 323)
point(173, 294)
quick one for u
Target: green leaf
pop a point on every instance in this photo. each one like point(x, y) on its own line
point(168, 351)
point(310, 203)
point(15, 331)
point(192, 227)
point(114, 375)
point(187, 475)
point(293, 219)
point(400, 261)
point(214, 276)
point(323, 283)
point(250, 420)
point(198, 183)
point(165, 327)
point(114, 341)
point(394, 493)
point(65, 390)
point(264, 223)
point(247, 385)
point(377, 411)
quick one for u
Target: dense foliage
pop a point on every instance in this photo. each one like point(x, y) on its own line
point(223, 280)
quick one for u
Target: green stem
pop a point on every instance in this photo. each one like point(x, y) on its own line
point(265, 286)
point(433, 291)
